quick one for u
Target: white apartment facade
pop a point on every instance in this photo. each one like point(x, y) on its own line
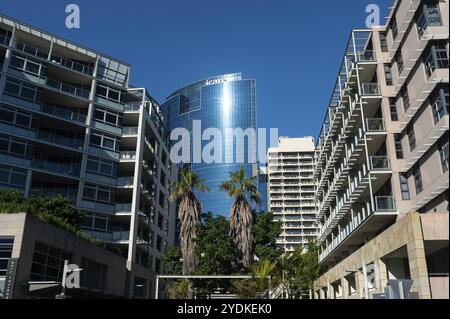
point(291, 190)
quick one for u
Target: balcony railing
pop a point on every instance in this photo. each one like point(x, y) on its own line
point(60, 139)
point(375, 125)
point(67, 88)
point(370, 89)
point(128, 155)
point(379, 163)
point(32, 50)
point(63, 113)
point(78, 67)
point(366, 56)
point(125, 181)
point(133, 106)
point(123, 208)
point(384, 204)
point(60, 168)
point(128, 131)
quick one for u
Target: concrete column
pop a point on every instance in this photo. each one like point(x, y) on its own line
point(345, 288)
point(418, 269)
point(382, 275)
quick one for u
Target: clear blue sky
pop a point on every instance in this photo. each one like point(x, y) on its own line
point(293, 48)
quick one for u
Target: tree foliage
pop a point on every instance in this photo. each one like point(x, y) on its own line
point(265, 233)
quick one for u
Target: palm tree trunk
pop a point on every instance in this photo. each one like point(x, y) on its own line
point(241, 229)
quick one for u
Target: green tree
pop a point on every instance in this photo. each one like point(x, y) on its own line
point(217, 254)
point(260, 285)
point(241, 188)
point(265, 233)
point(189, 212)
point(301, 269)
point(172, 261)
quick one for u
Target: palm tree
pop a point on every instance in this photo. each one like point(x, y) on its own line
point(189, 213)
point(241, 187)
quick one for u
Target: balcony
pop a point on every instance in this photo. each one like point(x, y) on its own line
point(63, 113)
point(123, 208)
point(366, 56)
point(384, 204)
point(380, 163)
point(67, 88)
point(73, 65)
point(128, 156)
point(59, 168)
point(48, 136)
point(375, 125)
point(132, 107)
point(370, 89)
point(118, 237)
point(130, 131)
point(4, 40)
point(125, 182)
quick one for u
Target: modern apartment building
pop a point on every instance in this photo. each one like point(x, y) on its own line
point(71, 125)
point(291, 191)
point(382, 159)
point(222, 102)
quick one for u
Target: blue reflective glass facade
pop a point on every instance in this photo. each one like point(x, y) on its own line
point(222, 102)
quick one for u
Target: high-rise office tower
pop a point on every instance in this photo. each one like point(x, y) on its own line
point(71, 125)
point(291, 191)
point(222, 102)
point(383, 159)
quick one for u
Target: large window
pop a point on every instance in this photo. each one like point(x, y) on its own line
point(101, 166)
point(107, 117)
point(6, 247)
point(23, 91)
point(436, 57)
point(94, 274)
point(398, 146)
point(404, 186)
point(48, 263)
point(400, 64)
point(393, 109)
point(28, 66)
point(443, 151)
point(429, 16)
point(418, 180)
point(440, 104)
point(96, 221)
point(388, 74)
point(394, 28)
point(110, 93)
point(405, 99)
point(106, 142)
point(15, 147)
point(383, 42)
point(99, 194)
point(15, 117)
point(411, 138)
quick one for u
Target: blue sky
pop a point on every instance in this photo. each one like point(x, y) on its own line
point(293, 48)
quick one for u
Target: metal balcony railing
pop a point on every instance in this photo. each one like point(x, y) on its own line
point(370, 89)
point(125, 181)
point(63, 113)
point(384, 204)
point(375, 125)
point(123, 208)
point(67, 88)
point(133, 106)
point(128, 155)
point(380, 163)
point(75, 66)
point(59, 168)
point(132, 130)
point(366, 56)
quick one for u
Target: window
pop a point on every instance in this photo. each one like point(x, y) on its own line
point(405, 99)
point(28, 66)
point(98, 193)
point(162, 200)
point(404, 186)
point(158, 243)
point(429, 16)
point(105, 142)
point(436, 58)
point(398, 146)
point(400, 64)
point(15, 117)
point(418, 180)
point(411, 138)
point(48, 263)
point(388, 74)
point(94, 274)
point(383, 42)
point(15, 147)
point(107, 117)
point(394, 28)
point(111, 94)
point(23, 91)
point(440, 105)
point(393, 108)
point(6, 248)
point(101, 167)
point(443, 151)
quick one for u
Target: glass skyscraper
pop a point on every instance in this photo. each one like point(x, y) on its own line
point(222, 102)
